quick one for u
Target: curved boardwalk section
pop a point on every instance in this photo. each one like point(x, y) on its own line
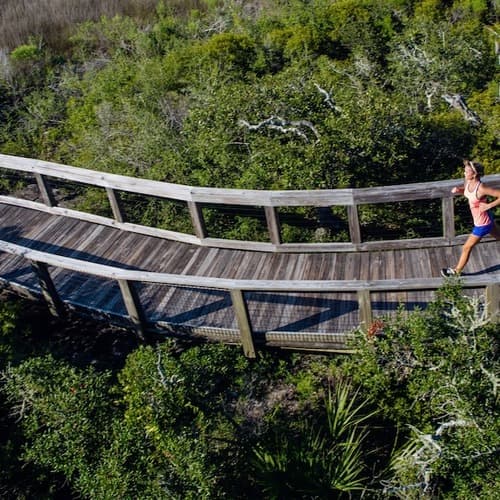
point(298, 296)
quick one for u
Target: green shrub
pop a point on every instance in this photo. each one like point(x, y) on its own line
point(317, 460)
point(25, 53)
point(64, 413)
point(433, 374)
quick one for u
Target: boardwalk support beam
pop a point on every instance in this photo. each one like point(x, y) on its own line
point(354, 228)
point(48, 289)
point(273, 225)
point(242, 317)
point(197, 219)
point(115, 204)
point(133, 306)
point(493, 302)
point(45, 191)
point(365, 309)
point(448, 211)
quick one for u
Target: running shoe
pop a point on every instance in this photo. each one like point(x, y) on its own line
point(447, 272)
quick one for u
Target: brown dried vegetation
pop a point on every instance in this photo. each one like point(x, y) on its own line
point(50, 21)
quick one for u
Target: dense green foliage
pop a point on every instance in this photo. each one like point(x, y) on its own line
point(436, 372)
point(167, 100)
point(272, 94)
point(202, 421)
point(267, 94)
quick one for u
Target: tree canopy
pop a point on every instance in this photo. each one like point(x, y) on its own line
point(286, 95)
point(274, 94)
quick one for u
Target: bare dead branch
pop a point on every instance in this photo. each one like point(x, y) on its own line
point(167, 383)
point(284, 126)
point(456, 101)
point(328, 99)
point(494, 379)
point(424, 450)
point(355, 82)
point(163, 381)
point(432, 88)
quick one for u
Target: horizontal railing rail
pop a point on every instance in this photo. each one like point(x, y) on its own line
point(126, 279)
point(196, 197)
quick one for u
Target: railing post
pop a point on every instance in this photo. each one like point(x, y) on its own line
point(365, 309)
point(48, 289)
point(133, 306)
point(448, 211)
point(45, 190)
point(241, 311)
point(354, 229)
point(197, 219)
point(115, 204)
point(493, 301)
point(273, 224)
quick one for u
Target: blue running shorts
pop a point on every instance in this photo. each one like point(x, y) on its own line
point(481, 231)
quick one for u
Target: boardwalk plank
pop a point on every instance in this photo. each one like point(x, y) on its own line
point(289, 315)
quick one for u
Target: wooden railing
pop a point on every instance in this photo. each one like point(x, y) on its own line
point(127, 280)
point(271, 201)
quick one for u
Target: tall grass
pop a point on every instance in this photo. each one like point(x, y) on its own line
point(51, 20)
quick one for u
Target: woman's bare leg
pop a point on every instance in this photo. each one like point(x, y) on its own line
point(469, 244)
point(495, 232)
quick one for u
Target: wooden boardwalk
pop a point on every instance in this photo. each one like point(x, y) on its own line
point(210, 310)
point(297, 296)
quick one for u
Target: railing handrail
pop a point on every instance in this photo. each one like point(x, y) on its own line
point(126, 279)
point(229, 196)
point(117, 273)
point(196, 197)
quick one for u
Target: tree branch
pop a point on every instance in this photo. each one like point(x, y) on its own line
point(458, 102)
point(328, 99)
point(284, 126)
point(492, 378)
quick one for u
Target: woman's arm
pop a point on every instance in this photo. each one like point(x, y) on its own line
point(485, 190)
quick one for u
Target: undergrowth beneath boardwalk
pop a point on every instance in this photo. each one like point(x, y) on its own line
point(75, 337)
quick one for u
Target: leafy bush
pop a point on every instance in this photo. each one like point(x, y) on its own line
point(317, 460)
point(434, 375)
point(58, 408)
point(25, 53)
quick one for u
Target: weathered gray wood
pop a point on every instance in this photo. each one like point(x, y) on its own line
point(403, 192)
point(115, 204)
point(133, 306)
point(49, 292)
point(303, 198)
point(102, 179)
point(111, 272)
point(448, 210)
point(354, 229)
point(104, 221)
point(365, 309)
point(322, 197)
point(300, 320)
point(197, 219)
point(273, 225)
point(45, 190)
point(241, 312)
point(493, 301)
point(268, 199)
point(236, 244)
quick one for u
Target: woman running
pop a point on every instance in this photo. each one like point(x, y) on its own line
point(476, 192)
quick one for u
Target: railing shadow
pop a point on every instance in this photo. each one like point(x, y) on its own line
point(487, 270)
point(293, 312)
point(12, 234)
